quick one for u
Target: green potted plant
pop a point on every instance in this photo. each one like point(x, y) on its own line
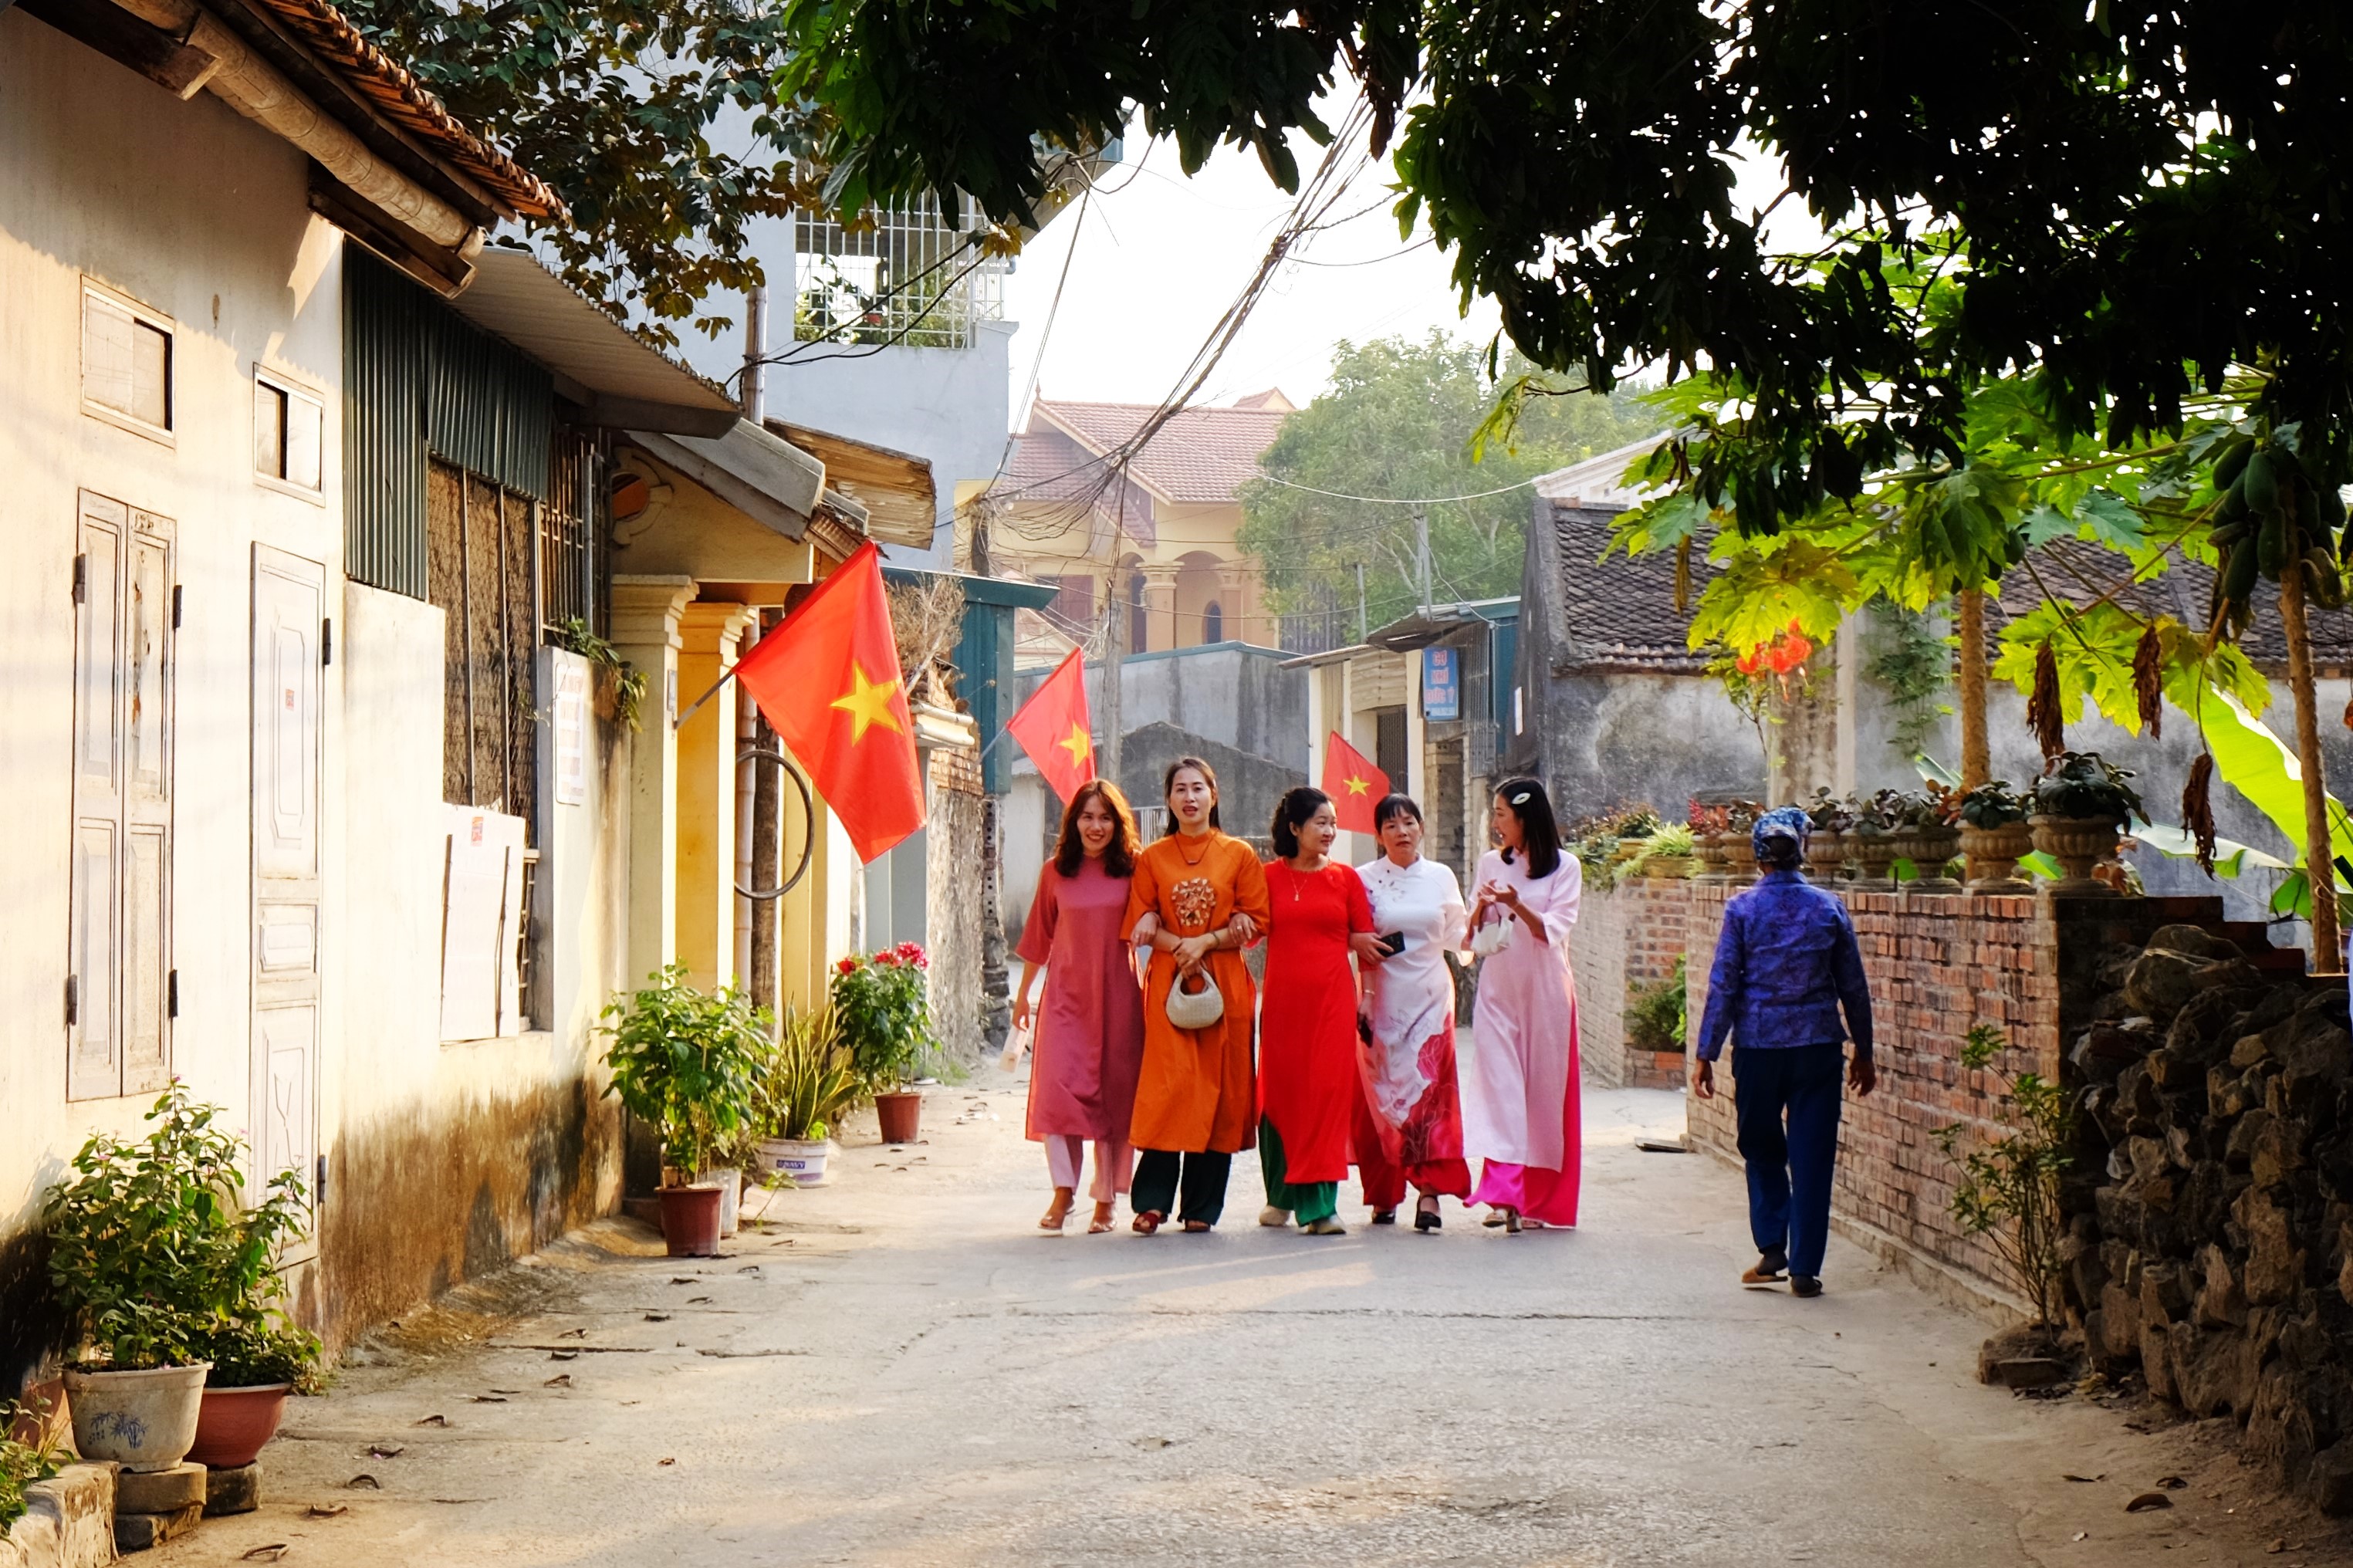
point(884, 1017)
point(1830, 819)
point(1994, 835)
point(257, 1364)
point(2081, 803)
point(1876, 835)
point(806, 1081)
point(1921, 835)
point(1739, 849)
point(683, 1062)
point(155, 1260)
point(1666, 854)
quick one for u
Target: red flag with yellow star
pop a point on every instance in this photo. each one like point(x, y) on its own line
point(828, 682)
point(1355, 786)
point(1053, 727)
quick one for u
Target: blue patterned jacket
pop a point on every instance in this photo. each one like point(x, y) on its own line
point(1785, 961)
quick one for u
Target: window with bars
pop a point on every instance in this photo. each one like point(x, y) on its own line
point(570, 569)
point(479, 541)
point(902, 276)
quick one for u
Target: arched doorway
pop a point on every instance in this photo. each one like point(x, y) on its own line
point(1213, 622)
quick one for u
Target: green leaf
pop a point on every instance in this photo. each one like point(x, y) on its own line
point(2039, 864)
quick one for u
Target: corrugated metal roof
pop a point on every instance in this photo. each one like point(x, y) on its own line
point(622, 381)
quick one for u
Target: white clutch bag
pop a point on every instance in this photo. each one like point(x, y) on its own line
point(1493, 937)
point(1195, 1009)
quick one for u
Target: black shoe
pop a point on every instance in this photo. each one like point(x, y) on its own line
point(1804, 1285)
point(1770, 1268)
point(1385, 1216)
point(1427, 1218)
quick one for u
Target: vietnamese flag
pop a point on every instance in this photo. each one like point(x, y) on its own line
point(1355, 786)
point(1053, 727)
point(829, 681)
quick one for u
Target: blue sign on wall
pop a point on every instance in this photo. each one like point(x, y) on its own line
point(1441, 683)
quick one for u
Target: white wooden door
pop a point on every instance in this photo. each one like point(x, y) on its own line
point(120, 990)
point(289, 656)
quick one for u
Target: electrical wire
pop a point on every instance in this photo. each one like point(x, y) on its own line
point(1393, 500)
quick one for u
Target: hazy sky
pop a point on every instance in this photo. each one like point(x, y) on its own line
point(1160, 256)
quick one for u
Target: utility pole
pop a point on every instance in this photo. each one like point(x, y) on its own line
point(1362, 626)
point(1421, 552)
point(749, 838)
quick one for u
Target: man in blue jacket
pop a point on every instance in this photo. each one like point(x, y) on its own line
point(1784, 964)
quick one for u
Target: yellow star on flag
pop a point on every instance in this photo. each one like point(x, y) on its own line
point(1077, 743)
point(867, 704)
point(1358, 785)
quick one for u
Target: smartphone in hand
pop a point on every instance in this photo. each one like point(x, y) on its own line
point(1394, 942)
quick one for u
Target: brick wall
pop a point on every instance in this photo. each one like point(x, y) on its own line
point(1626, 939)
point(1937, 964)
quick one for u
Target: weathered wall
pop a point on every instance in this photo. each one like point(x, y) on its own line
point(1654, 739)
point(954, 890)
point(198, 214)
point(447, 1158)
point(1627, 939)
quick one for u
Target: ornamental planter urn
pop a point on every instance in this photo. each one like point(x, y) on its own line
point(2079, 844)
point(1825, 856)
point(1930, 849)
point(1994, 854)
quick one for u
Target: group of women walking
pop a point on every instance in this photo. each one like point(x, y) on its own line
point(1352, 1057)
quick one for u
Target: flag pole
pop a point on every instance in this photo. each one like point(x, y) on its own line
point(696, 706)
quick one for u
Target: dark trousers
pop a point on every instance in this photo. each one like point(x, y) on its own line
point(1159, 1173)
point(1790, 1166)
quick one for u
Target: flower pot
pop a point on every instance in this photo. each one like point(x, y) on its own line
point(144, 1420)
point(1875, 850)
point(1825, 855)
point(1707, 848)
point(235, 1423)
point(1669, 867)
point(902, 1113)
point(2078, 844)
point(690, 1221)
point(730, 1182)
point(1627, 849)
point(1740, 856)
point(1930, 849)
point(802, 1159)
point(1994, 854)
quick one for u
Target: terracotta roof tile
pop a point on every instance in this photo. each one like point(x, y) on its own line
point(407, 102)
point(1200, 456)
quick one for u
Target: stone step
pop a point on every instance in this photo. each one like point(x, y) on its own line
point(137, 1531)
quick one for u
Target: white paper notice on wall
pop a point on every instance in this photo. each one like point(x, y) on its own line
point(571, 732)
point(482, 907)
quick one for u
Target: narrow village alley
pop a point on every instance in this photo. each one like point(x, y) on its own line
point(898, 1369)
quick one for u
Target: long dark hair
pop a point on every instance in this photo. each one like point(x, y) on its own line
point(1169, 782)
point(1296, 806)
point(1525, 799)
point(1119, 855)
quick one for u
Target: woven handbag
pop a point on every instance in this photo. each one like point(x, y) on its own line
point(1195, 1009)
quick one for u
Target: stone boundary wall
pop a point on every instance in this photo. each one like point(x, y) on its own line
point(1939, 965)
point(1626, 939)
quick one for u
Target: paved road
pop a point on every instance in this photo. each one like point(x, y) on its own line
point(898, 1370)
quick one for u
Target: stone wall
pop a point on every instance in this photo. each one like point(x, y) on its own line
point(1627, 937)
point(1939, 965)
point(954, 889)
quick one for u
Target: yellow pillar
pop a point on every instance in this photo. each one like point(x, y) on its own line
point(645, 630)
point(708, 634)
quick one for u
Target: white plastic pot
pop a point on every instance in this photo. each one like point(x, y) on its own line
point(802, 1159)
point(146, 1420)
point(730, 1182)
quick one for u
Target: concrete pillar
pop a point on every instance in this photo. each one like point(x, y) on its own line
point(705, 846)
point(645, 630)
point(1162, 632)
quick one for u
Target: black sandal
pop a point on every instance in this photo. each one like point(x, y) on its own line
point(1425, 1213)
point(1385, 1216)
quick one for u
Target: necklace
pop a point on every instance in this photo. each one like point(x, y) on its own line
point(1299, 880)
point(1207, 839)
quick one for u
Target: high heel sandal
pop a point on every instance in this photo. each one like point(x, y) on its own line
point(1511, 1222)
point(1147, 1223)
point(1102, 1221)
point(1425, 1213)
point(1057, 1216)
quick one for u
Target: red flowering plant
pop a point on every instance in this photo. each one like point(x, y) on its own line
point(881, 1006)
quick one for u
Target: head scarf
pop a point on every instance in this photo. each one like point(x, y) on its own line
point(1788, 822)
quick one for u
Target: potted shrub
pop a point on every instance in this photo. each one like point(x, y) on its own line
point(1830, 818)
point(1994, 835)
point(1666, 854)
point(1921, 835)
point(1707, 841)
point(256, 1366)
point(2080, 804)
point(884, 1017)
point(803, 1084)
point(1739, 849)
point(1874, 844)
point(684, 1061)
point(152, 1257)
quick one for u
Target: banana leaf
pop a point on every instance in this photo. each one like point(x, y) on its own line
point(2231, 858)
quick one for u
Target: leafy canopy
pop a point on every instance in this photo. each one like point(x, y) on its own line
point(2133, 196)
point(1398, 422)
point(615, 103)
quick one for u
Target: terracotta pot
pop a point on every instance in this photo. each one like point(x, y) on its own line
point(1875, 850)
point(1740, 856)
point(1708, 849)
point(1930, 849)
point(2078, 844)
point(901, 1113)
point(1994, 854)
point(1825, 855)
point(146, 1420)
point(235, 1424)
point(690, 1221)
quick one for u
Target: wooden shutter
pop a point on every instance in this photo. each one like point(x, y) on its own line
point(147, 807)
